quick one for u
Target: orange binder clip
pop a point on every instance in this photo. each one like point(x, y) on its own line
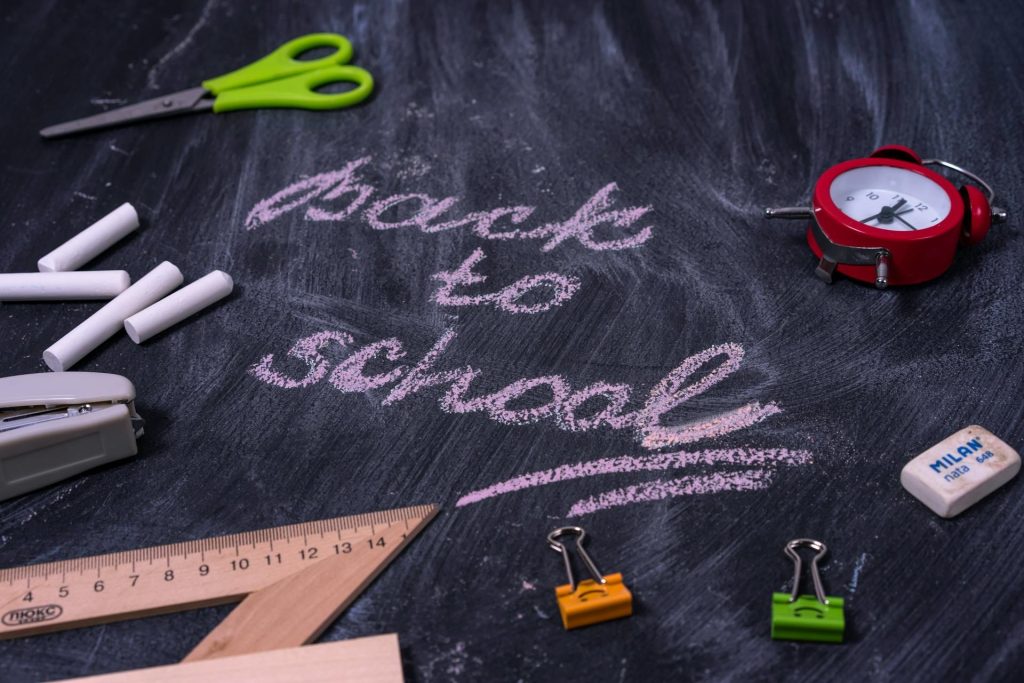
point(591, 601)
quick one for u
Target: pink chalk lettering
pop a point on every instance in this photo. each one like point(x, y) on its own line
point(616, 397)
point(497, 403)
point(483, 222)
point(746, 480)
point(731, 421)
point(419, 377)
point(348, 374)
point(592, 214)
point(429, 209)
point(454, 400)
point(347, 184)
point(307, 350)
point(672, 391)
point(301, 193)
point(641, 463)
point(332, 186)
point(562, 407)
point(561, 288)
point(464, 276)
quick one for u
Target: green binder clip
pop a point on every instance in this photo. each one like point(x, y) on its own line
point(817, 618)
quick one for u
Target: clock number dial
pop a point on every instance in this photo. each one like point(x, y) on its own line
point(890, 198)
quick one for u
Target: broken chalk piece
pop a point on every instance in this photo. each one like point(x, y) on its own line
point(91, 242)
point(74, 285)
point(960, 470)
point(104, 323)
point(174, 308)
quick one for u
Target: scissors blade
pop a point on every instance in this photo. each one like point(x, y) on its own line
point(193, 99)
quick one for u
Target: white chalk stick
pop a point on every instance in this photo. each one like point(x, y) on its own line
point(172, 309)
point(87, 284)
point(104, 323)
point(91, 242)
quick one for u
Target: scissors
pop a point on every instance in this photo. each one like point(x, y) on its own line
point(277, 80)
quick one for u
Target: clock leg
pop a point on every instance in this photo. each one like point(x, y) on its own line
point(826, 267)
point(882, 270)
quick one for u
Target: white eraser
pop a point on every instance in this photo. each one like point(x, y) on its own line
point(91, 242)
point(86, 284)
point(173, 309)
point(104, 323)
point(960, 470)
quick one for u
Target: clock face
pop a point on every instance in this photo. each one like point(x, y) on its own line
point(890, 198)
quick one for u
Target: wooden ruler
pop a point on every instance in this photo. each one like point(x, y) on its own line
point(53, 596)
point(374, 659)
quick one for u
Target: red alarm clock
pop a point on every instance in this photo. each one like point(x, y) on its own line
point(889, 220)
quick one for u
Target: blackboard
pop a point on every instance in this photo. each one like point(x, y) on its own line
point(700, 114)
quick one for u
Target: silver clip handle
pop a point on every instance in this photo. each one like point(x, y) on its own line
point(580, 534)
point(791, 552)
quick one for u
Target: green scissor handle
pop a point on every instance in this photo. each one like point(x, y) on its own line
point(299, 92)
point(281, 63)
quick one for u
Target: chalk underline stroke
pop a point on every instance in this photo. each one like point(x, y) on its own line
point(743, 480)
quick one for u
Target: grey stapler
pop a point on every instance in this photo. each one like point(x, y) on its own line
point(56, 424)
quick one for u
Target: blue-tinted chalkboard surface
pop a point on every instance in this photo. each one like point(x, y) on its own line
point(529, 280)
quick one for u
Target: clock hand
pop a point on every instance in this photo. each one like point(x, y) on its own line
point(899, 215)
point(888, 213)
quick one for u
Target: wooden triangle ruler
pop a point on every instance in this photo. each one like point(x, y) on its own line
point(299, 578)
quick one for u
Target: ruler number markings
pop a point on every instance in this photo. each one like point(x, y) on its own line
point(128, 586)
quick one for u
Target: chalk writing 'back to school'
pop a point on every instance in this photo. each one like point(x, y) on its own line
point(339, 195)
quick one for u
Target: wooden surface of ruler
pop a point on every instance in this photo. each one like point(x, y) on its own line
point(374, 659)
point(91, 590)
